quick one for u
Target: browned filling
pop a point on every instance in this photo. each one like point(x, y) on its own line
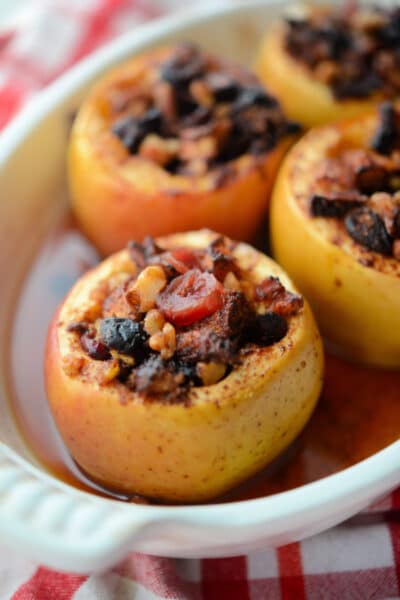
point(200, 114)
point(184, 319)
point(353, 49)
point(362, 187)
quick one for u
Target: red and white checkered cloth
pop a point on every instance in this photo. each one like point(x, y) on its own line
point(357, 560)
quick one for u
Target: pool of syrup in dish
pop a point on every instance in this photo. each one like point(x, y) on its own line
point(358, 414)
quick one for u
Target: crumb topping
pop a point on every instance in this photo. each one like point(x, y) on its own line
point(199, 114)
point(183, 319)
point(362, 188)
point(353, 48)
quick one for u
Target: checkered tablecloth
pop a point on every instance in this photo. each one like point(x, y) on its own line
point(357, 560)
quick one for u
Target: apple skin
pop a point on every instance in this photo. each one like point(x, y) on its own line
point(193, 451)
point(117, 196)
point(303, 98)
point(356, 306)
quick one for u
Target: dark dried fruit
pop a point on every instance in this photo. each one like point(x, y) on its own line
point(223, 87)
point(371, 178)
point(361, 47)
point(253, 96)
point(186, 64)
point(132, 130)
point(323, 206)
point(276, 298)
point(269, 329)
point(125, 336)
point(128, 131)
point(386, 135)
point(78, 327)
point(95, 348)
point(368, 229)
point(396, 225)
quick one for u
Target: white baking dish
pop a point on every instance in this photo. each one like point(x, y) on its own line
point(54, 523)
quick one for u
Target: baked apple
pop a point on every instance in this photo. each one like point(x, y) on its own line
point(335, 227)
point(179, 367)
point(174, 140)
point(329, 63)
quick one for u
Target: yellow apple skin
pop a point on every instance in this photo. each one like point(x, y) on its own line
point(117, 196)
point(197, 450)
point(303, 98)
point(356, 306)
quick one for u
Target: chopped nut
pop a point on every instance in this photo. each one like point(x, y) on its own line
point(248, 289)
point(129, 360)
point(159, 150)
point(326, 71)
point(211, 372)
point(231, 283)
point(197, 166)
point(144, 291)
point(73, 365)
point(205, 148)
point(154, 321)
point(164, 341)
point(110, 372)
point(200, 91)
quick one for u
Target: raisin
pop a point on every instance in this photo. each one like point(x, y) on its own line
point(372, 178)
point(132, 130)
point(129, 132)
point(253, 96)
point(186, 64)
point(269, 328)
point(322, 206)
point(396, 225)
point(368, 229)
point(95, 348)
point(385, 136)
point(223, 87)
point(359, 88)
point(125, 336)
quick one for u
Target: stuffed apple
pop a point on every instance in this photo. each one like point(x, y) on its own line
point(174, 140)
point(329, 63)
point(179, 367)
point(335, 227)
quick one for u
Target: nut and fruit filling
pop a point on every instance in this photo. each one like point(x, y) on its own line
point(361, 187)
point(198, 114)
point(353, 49)
point(184, 319)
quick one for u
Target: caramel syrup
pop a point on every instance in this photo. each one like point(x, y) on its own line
point(358, 413)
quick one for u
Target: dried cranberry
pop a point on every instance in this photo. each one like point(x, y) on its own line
point(95, 348)
point(191, 297)
point(269, 328)
point(368, 229)
point(125, 336)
